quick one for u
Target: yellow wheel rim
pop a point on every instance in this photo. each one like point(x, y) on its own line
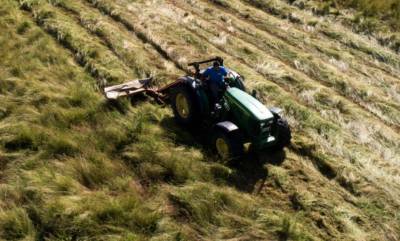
point(182, 105)
point(222, 148)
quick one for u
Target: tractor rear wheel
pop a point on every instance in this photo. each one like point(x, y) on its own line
point(228, 145)
point(284, 134)
point(183, 106)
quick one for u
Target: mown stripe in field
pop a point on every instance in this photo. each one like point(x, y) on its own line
point(348, 38)
point(138, 31)
point(126, 46)
point(86, 49)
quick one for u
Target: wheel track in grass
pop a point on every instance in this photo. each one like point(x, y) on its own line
point(376, 110)
point(205, 39)
point(355, 39)
point(75, 18)
point(88, 63)
point(108, 42)
point(78, 21)
point(132, 20)
point(139, 33)
point(261, 26)
point(142, 39)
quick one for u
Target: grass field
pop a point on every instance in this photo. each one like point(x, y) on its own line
point(75, 167)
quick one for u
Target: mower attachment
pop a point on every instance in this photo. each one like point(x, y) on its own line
point(129, 88)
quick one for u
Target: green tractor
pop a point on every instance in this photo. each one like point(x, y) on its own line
point(238, 117)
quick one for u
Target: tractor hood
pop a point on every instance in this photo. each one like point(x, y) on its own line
point(249, 104)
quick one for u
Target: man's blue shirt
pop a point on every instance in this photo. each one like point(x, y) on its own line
point(216, 76)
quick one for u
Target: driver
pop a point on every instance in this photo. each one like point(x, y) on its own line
point(215, 76)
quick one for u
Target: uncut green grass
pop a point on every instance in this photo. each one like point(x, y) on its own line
point(77, 167)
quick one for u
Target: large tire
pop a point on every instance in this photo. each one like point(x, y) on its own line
point(284, 135)
point(228, 145)
point(183, 106)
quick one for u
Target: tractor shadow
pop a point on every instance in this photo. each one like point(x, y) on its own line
point(250, 171)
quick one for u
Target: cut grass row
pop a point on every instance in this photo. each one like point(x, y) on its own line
point(141, 34)
point(131, 50)
point(85, 47)
point(332, 30)
point(376, 19)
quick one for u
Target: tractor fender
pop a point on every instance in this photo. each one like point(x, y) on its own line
point(226, 126)
point(188, 81)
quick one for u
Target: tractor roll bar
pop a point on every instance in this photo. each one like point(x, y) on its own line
point(219, 59)
point(196, 65)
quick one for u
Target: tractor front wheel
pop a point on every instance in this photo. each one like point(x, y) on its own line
point(284, 135)
point(228, 145)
